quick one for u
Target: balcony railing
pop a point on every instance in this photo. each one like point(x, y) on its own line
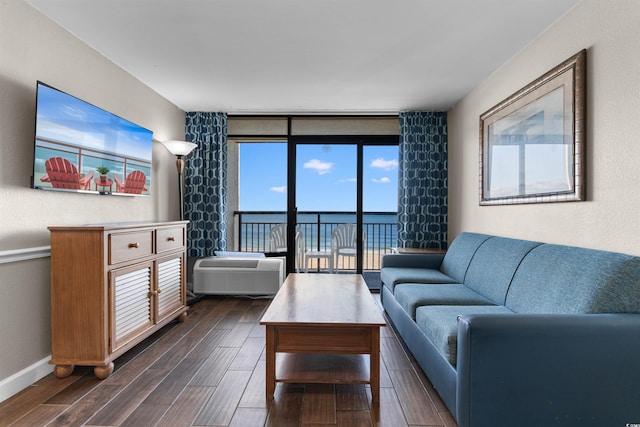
point(380, 229)
point(88, 159)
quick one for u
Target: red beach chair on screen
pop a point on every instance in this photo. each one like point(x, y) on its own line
point(61, 173)
point(134, 184)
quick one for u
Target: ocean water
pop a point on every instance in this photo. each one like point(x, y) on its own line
point(380, 229)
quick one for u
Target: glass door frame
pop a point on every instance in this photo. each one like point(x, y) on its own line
point(360, 141)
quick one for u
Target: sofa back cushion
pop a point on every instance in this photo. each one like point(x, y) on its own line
point(494, 264)
point(568, 280)
point(460, 253)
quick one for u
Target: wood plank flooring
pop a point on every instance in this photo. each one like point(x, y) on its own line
point(210, 371)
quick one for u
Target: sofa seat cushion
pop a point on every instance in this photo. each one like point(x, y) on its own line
point(440, 324)
point(391, 276)
point(410, 296)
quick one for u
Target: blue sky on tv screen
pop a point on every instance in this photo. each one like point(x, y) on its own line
point(326, 177)
point(64, 118)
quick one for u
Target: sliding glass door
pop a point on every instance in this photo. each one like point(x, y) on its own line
point(326, 193)
point(342, 203)
point(379, 202)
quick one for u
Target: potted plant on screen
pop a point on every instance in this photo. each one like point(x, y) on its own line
point(103, 173)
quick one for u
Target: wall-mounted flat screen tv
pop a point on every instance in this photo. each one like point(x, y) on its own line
point(82, 148)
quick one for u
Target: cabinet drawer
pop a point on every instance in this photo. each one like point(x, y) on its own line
point(129, 246)
point(169, 238)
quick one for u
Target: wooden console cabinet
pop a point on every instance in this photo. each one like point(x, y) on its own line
point(112, 285)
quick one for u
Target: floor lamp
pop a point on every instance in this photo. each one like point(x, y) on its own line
point(180, 149)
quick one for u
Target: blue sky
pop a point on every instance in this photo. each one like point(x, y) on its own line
point(67, 119)
point(326, 177)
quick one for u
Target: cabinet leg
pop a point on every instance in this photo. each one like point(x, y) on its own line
point(182, 317)
point(63, 371)
point(103, 372)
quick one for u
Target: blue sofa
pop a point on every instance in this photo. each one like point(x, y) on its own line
point(514, 332)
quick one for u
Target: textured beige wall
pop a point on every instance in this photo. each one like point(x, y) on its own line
point(33, 48)
point(608, 219)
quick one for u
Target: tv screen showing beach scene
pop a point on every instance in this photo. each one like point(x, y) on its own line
point(80, 147)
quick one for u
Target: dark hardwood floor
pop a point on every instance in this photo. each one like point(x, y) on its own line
point(210, 370)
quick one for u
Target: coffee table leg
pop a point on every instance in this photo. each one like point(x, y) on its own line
point(271, 362)
point(374, 363)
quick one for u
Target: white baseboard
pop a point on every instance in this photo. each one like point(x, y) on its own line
point(23, 379)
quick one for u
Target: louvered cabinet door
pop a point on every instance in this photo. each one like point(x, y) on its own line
point(170, 294)
point(131, 303)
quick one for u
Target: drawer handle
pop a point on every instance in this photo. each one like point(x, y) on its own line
point(134, 245)
point(171, 239)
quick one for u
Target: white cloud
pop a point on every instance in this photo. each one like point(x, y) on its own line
point(319, 166)
point(348, 180)
point(382, 180)
point(280, 189)
point(381, 163)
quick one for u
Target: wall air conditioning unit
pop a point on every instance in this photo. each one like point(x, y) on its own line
point(238, 276)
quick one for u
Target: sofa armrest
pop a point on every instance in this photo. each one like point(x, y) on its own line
point(412, 260)
point(548, 369)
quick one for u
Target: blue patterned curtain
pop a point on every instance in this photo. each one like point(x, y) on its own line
point(422, 192)
point(205, 184)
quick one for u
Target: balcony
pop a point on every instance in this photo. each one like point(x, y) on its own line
point(380, 228)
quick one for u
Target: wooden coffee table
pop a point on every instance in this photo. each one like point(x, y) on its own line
point(326, 329)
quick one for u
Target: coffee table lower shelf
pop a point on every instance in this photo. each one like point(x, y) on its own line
point(323, 368)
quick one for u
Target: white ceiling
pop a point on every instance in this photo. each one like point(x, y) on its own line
point(308, 56)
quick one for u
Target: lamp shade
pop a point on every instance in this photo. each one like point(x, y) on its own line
point(179, 148)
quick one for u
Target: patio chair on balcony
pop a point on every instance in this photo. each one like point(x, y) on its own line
point(278, 242)
point(344, 244)
point(134, 184)
point(61, 173)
